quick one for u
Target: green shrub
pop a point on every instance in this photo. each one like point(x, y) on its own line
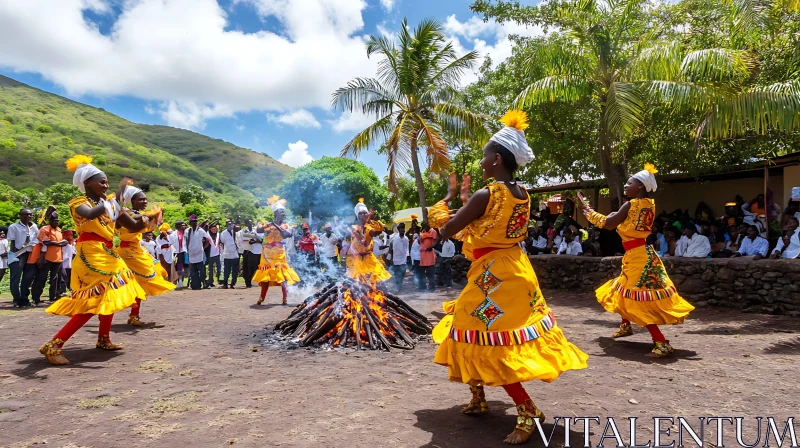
point(99, 160)
point(17, 170)
point(44, 129)
point(41, 110)
point(67, 142)
point(7, 144)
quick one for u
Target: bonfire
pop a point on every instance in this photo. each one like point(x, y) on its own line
point(351, 314)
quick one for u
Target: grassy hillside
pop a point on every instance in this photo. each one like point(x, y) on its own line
point(40, 130)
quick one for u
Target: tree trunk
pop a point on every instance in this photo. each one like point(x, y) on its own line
point(614, 173)
point(418, 178)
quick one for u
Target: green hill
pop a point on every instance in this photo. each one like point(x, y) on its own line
point(41, 130)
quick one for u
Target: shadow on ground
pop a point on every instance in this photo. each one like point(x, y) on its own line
point(449, 428)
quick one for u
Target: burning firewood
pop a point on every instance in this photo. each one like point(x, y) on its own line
point(350, 314)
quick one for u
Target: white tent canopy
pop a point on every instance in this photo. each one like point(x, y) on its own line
point(405, 215)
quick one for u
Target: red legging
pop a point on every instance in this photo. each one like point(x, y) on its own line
point(517, 393)
point(655, 333)
point(79, 320)
point(135, 309)
point(265, 288)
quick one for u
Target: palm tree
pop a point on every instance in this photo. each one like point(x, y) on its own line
point(605, 53)
point(413, 100)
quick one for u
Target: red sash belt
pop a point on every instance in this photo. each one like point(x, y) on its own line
point(633, 244)
point(89, 236)
point(478, 253)
point(127, 244)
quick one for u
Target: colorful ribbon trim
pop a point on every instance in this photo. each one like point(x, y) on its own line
point(645, 295)
point(512, 337)
point(118, 281)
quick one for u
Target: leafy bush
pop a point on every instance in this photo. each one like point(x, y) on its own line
point(42, 110)
point(17, 170)
point(7, 143)
point(44, 129)
point(9, 213)
point(99, 160)
point(192, 193)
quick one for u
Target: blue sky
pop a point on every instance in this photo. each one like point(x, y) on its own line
point(257, 73)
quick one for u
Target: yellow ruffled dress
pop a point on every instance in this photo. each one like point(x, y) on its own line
point(362, 264)
point(643, 293)
point(500, 330)
point(101, 282)
point(273, 268)
point(150, 275)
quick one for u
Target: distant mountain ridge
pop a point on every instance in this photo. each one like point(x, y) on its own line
point(40, 130)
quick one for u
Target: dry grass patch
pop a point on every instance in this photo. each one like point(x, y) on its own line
point(176, 404)
point(159, 365)
point(152, 430)
point(98, 403)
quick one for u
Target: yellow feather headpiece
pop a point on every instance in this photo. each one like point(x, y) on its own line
point(516, 119)
point(273, 199)
point(76, 161)
point(361, 200)
point(650, 168)
point(164, 228)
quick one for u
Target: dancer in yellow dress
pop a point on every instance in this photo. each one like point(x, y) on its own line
point(101, 283)
point(500, 331)
point(274, 269)
point(643, 293)
point(149, 273)
point(362, 264)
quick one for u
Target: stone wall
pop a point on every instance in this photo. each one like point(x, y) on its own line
point(764, 286)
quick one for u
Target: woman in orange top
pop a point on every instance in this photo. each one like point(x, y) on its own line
point(101, 283)
point(643, 293)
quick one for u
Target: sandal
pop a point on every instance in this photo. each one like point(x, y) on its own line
point(284, 301)
point(478, 404)
point(135, 321)
point(525, 423)
point(662, 350)
point(625, 330)
point(104, 342)
point(52, 351)
point(260, 301)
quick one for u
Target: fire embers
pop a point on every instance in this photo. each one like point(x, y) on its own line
point(351, 314)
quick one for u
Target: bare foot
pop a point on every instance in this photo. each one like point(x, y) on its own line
point(517, 437)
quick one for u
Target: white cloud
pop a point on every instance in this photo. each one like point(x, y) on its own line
point(179, 54)
point(300, 118)
point(388, 5)
point(240, 127)
point(478, 33)
point(352, 121)
point(297, 155)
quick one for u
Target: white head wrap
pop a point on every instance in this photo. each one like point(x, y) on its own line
point(360, 207)
point(647, 178)
point(129, 193)
point(514, 141)
point(82, 174)
point(278, 205)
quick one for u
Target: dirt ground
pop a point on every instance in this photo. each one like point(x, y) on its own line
point(200, 377)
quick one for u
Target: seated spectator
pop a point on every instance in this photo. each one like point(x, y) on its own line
point(792, 209)
point(659, 242)
point(671, 238)
point(733, 240)
point(568, 245)
point(753, 246)
point(535, 243)
point(789, 245)
point(692, 244)
point(591, 246)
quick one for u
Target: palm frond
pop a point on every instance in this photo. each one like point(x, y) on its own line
point(430, 137)
point(717, 64)
point(366, 138)
point(660, 62)
point(553, 89)
point(687, 95)
point(624, 108)
point(461, 123)
point(756, 111)
point(450, 74)
point(361, 92)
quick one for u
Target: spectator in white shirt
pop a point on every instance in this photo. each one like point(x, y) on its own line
point(196, 241)
point(327, 243)
point(178, 243)
point(789, 245)
point(754, 245)
point(535, 243)
point(67, 254)
point(3, 255)
point(568, 244)
point(148, 243)
point(399, 247)
point(230, 255)
point(381, 246)
point(22, 237)
point(692, 244)
point(250, 260)
point(214, 270)
point(445, 274)
point(415, 258)
point(166, 253)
